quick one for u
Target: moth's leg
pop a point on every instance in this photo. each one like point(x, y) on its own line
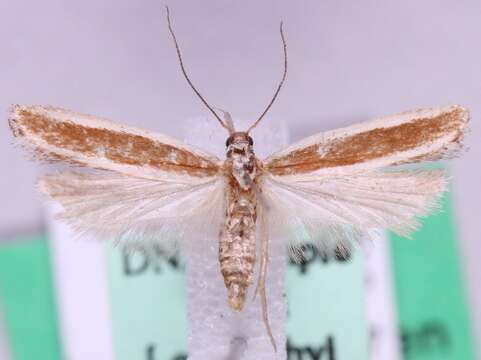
point(264, 237)
point(261, 282)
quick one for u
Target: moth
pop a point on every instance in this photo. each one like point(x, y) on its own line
point(328, 186)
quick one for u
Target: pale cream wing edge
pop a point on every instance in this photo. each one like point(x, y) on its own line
point(409, 137)
point(55, 134)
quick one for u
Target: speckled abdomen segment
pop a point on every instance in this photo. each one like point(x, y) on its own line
point(237, 245)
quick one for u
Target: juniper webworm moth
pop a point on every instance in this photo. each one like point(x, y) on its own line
point(334, 186)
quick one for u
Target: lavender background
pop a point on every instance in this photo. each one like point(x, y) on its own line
point(348, 61)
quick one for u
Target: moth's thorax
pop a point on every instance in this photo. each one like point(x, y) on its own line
point(241, 159)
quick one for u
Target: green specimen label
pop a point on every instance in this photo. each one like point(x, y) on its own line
point(432, 306)
point(27, 296)
point(326, 319)
point(148, 306)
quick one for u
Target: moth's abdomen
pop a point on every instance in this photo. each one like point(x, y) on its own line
point(237, 245)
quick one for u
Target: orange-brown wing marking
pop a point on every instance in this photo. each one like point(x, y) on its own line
point(410, 137)
point(102, 144)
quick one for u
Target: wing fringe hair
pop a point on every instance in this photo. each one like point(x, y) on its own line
point(339, 210)
point(133, 210)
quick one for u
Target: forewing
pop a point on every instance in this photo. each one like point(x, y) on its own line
point(156, 188)
point(333, 210)
point(410, 137)
point(56, 134)
point(129, 209)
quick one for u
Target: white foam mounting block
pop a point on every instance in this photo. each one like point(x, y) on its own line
point(214, 330)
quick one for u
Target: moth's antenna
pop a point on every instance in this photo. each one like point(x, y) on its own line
point(280, 84)
point(179, 55)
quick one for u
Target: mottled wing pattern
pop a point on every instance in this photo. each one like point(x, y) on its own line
point(56, 134)
point(329, 188)
point(410, 137)
point(154, 187)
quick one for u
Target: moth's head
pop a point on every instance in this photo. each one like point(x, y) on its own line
point(239, 141)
